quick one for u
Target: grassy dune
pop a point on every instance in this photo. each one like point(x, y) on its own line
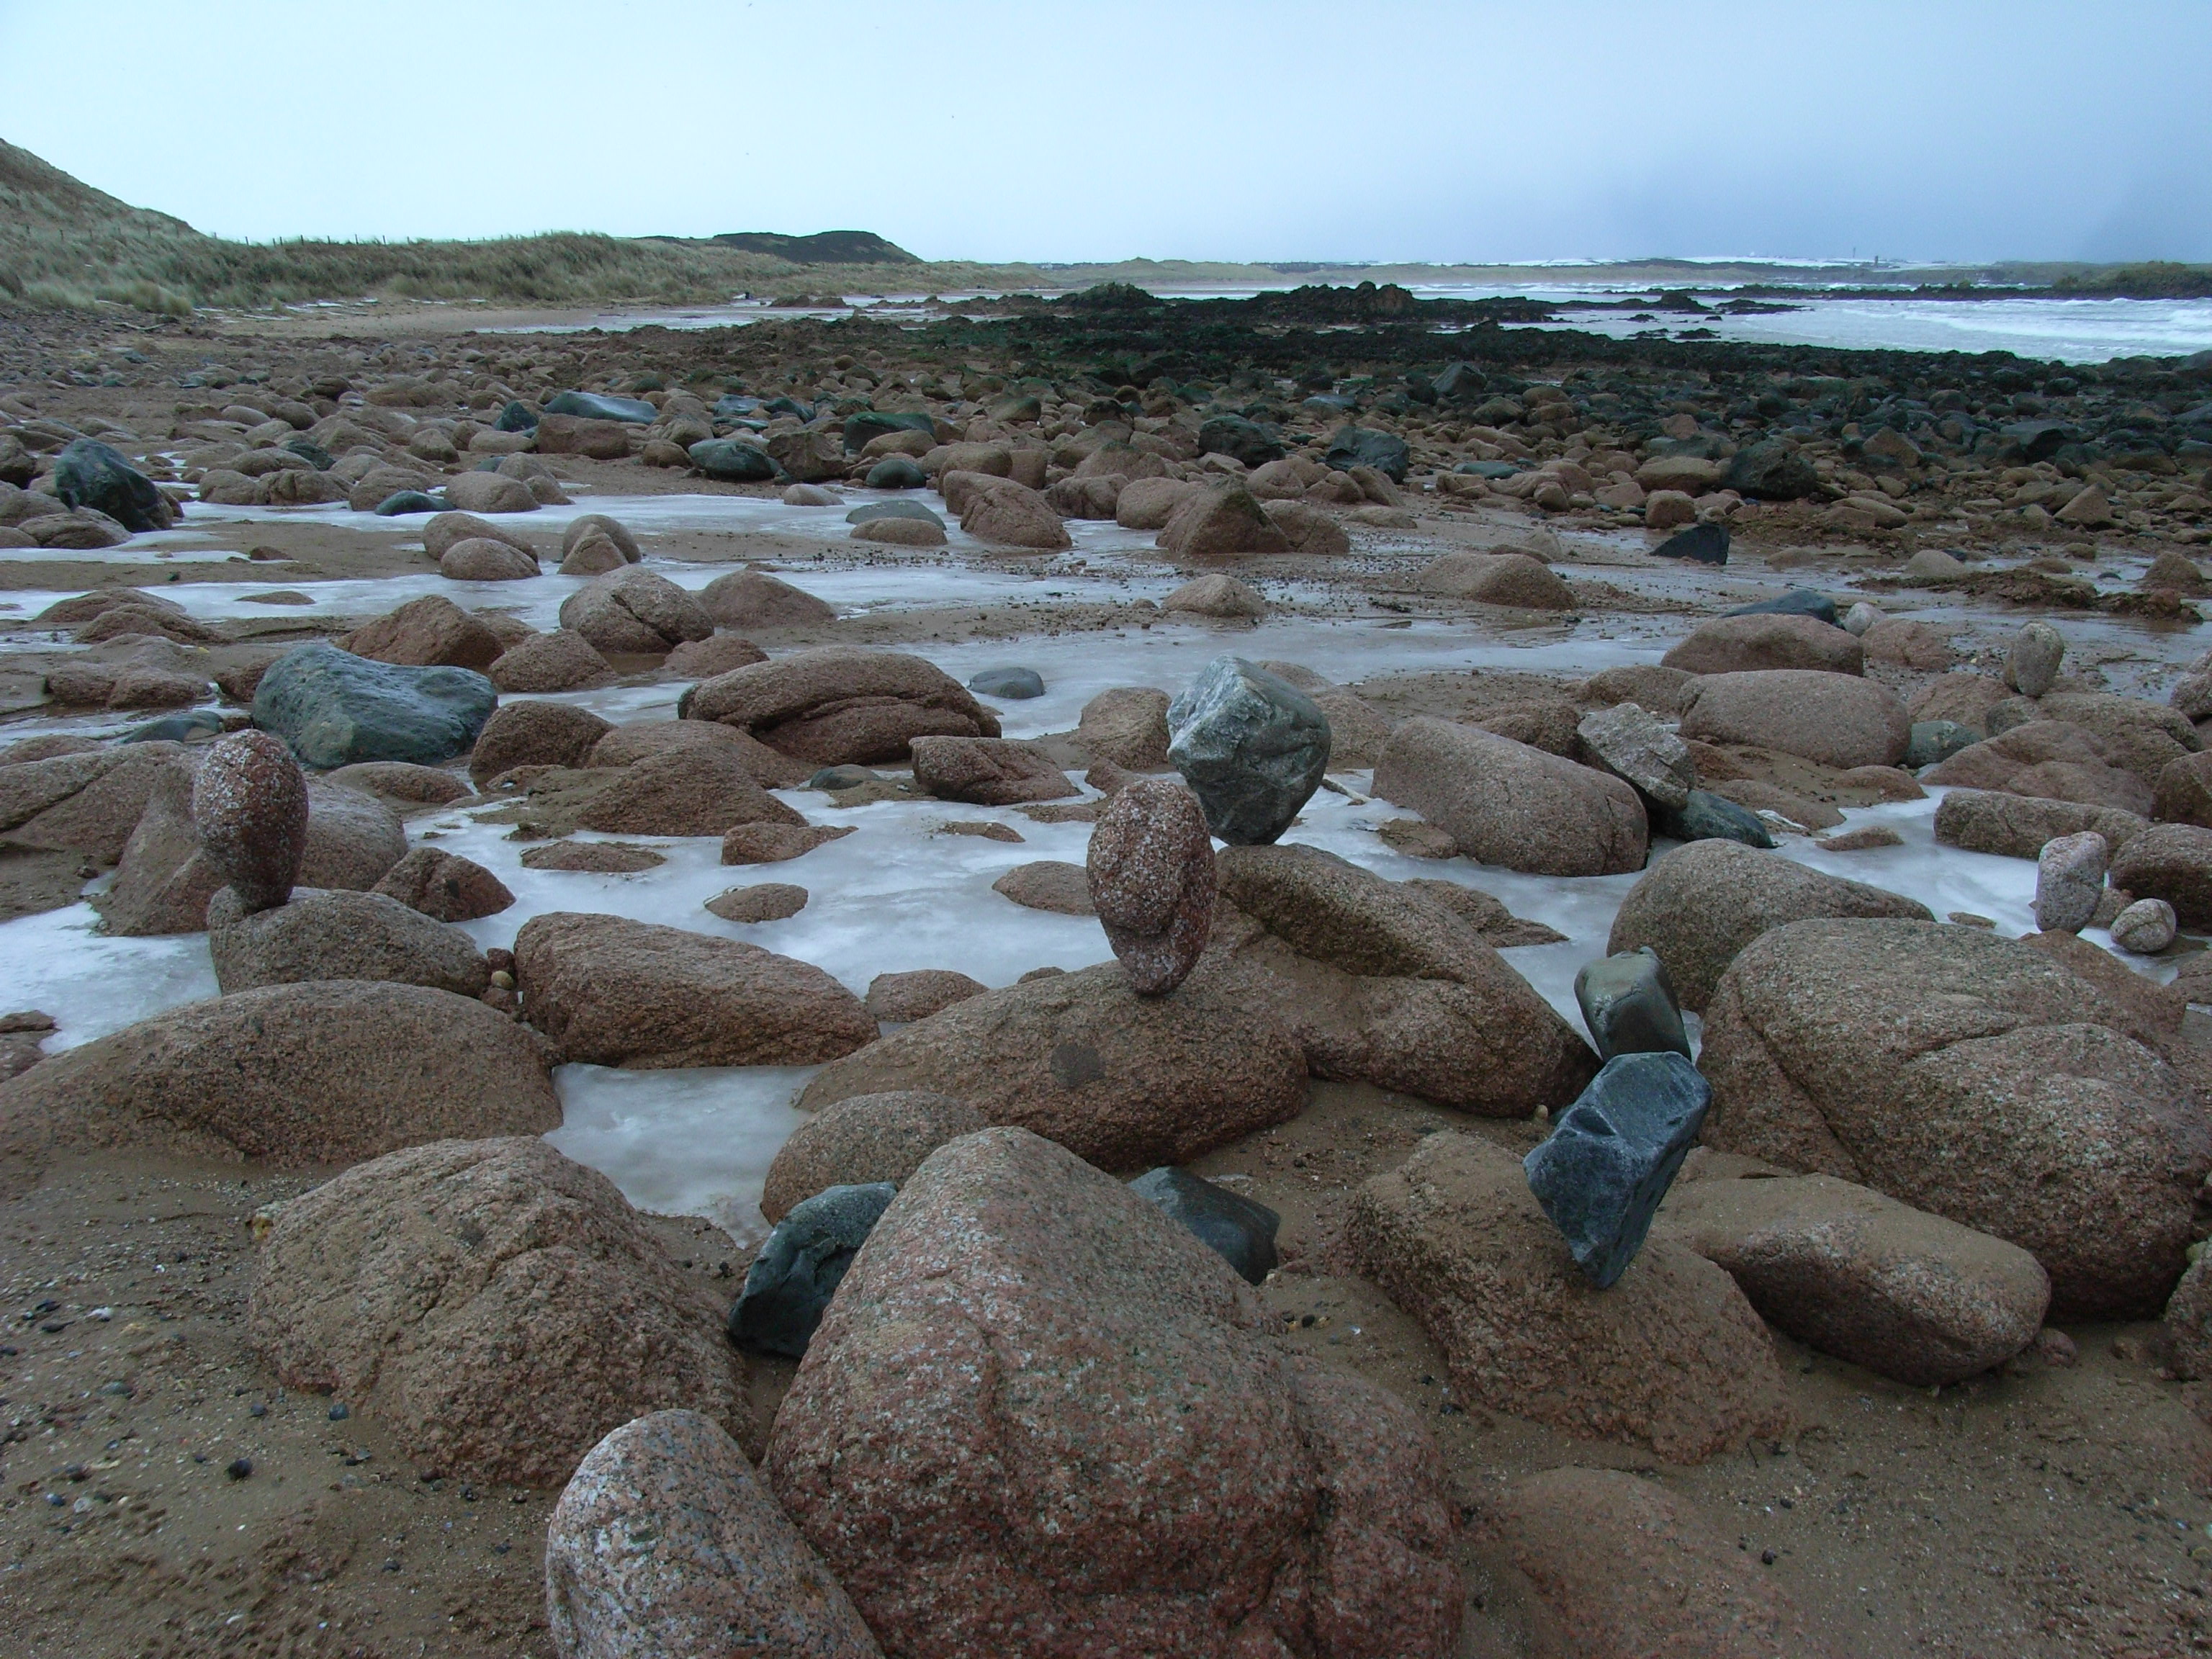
point(64, 244)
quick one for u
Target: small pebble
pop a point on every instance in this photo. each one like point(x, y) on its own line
point(239, 1467)
point(339, 1413)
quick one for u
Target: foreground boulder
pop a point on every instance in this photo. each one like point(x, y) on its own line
point(330, 1072)
point(1505, 803)
point(336, 709)
point(839, 706)
point(1040, 1417)
point(1971, 1076)
point(664, 1542)
point(614, 992)
point(1853, 1274)
point(1123, 1081)
point(1702, 903)
point(1671, 1355)
point(1628, 1569)
point(1384, 983)
point(499, 1306)
point(1252, 746)
point(1837, 719)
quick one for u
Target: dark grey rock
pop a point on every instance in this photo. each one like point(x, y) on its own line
point(403, 502)
point(596, 406)
point(1797, 602)
point(1359, 446)
point(866, 426)
point(840, 777)
point(1612, 1155)
point(1708, 816)
point(1241, 440)
point(335, 709)
point(1771, 472)
point(1708, 543)
point(1011, 682)
point(1252, 747)
point(1629, 1006)
point(732, 460)
point(89, 473)
point(800, 1266)
point(897, 472)
point(1934, 741)
point(1240, 1231)
point(516, 418)
point(875, 510)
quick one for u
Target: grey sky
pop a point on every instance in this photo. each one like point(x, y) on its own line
point(1946, 129)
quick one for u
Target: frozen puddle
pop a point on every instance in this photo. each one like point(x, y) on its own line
point(895, 895)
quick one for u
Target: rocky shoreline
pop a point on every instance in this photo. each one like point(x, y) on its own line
point(1342, 979)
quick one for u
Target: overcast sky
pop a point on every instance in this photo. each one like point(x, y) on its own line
point(1356, 130)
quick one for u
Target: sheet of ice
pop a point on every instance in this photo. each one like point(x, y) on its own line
point(91, 984)
point(682, 1142)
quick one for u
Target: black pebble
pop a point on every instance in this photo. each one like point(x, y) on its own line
point(1766, 1556)
point(339, 1413)
point(239, 1467)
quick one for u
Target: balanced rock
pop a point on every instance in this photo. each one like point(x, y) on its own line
point(664, 1543)
point(1628, 1004)
point(2031, 664)
point(499, 1306)
point(1610, 1158)
point(2069, 880)
point(1150, 872)
point(1123, 1355)
point(1252, 747)
point(250, 811)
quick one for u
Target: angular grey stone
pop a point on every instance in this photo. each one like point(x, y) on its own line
point(336, 709)
point(1708, 816)
point(802, 1264)
point(2032, 664)
point(2070, 879)
point(1641, 752)
point(1934, 741)
point(1600, 1173)
point(1629, 1005)
point(1252, 747)
point(1239, 1230)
